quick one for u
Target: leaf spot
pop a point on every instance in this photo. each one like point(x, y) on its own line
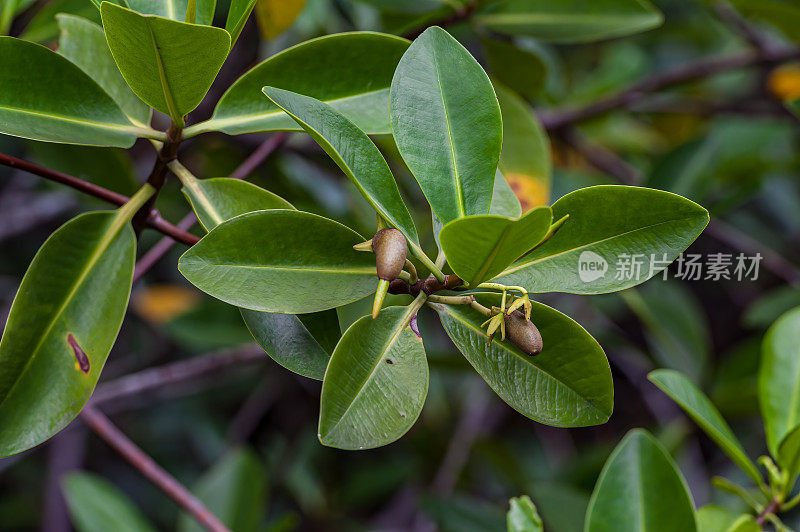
point(81, 360)
point(390, 361)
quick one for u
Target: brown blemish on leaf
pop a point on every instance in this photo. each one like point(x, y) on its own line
point(81, 360)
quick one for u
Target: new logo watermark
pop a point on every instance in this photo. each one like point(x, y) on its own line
point(690, 267)
point(591, 266)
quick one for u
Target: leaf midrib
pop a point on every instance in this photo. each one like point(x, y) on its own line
point(169, 98)
point(117, 223)
point(456, 176)
point(224, 122)
point(523, 265)
point(365, 271)
point(388, 345)
point(131, 129)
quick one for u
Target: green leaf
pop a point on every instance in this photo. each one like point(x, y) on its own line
point(519, 69)
point(608, 227)
point(446, 122)
point(785, 16)
point(480, 247)
point(567, 385)
point(289, 342)
point(238, 13)
point(705, 414)
point(281, 261)
point(376, 382)
point(794, 107)
point(350, 71)
point(56, 101)
point(571, 21)
point(640, 488)
point(96, 505)
point(504, 201)
point(170, 65)
point(235, 490)
point(222, 198)
point(62, 324)
point(353, 152)
point(779, 378)
point(84, 43)
point(43, 27)
point(788, 456)
point(712, 518)
point(407, 6)
point(175, 9)
point(525, 157)
point(522, 516)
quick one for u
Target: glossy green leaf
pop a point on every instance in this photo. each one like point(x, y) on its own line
point(350, 71)
point(640, 489)
point(608, 227)
point(712, 518)
point(84, 43)
point(446, 122)
point(525, 157)
point(789, 454)
point(522, 516)
point(504, 201)
point(175, 9)
point(353, 152)
point(779, 378)
point(376, 382)
point(695, 403)
point(567, 385)
point(238, 13)
point(96, 505)
point(235, 490)
point(286, 338)
point(62, 324)
point(56, 101)
point(170, 65)
point(43, 27)
point(571, 21)
point(519, 69)
point(219, 199)
point(480, 247)
point(282, 261)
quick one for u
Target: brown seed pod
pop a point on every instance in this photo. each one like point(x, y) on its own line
point(390, 250)
point(523, 333)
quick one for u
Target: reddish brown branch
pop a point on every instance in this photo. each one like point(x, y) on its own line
point(557, 119)
point(604, 160)
point(117, 440)
point(154, 220)
point(163, 246)
point(459, 15)
point(771, 508)
point(168, 375)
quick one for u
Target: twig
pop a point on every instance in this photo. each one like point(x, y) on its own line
point(459, 15)
point(604, 160)
point(158, 175)
point(64, 454)
point(771, 508)
point(472, 422)
point(152, 379)
point(115, 438)
point(259, 155)
point(154, 220)
point(557, 119)
point(737, 23)
point(243, 170)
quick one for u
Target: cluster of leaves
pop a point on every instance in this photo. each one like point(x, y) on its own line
point(274, 262)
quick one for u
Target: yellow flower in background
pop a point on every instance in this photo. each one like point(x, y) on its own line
point(784, 82)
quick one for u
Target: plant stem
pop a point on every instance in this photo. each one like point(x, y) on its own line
point(452, 300)
point(412, 272)
point(131, 206)
point(259, 155)
point(167, 153)
point(423, 258)
point(115, 438)
point(480, 308)
point(771, 508)
point(154, 220)
point(189, 181)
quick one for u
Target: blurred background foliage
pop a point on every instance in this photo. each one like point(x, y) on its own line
point(245, 440)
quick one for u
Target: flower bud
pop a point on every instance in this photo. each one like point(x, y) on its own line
point(390, 250)
point(523, 333)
